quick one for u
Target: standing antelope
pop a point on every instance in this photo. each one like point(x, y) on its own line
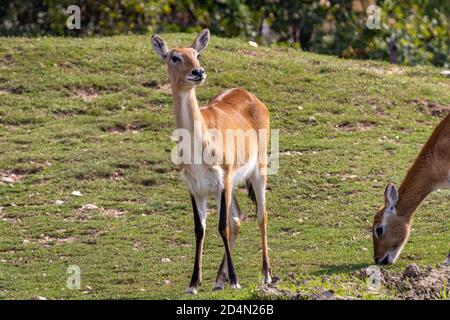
point(233, 110)
point(431, 170)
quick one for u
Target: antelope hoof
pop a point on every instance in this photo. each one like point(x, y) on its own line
point(267, 276)
point(191, 290)
point(447, 261)
point(235, 286)
point(218, 286)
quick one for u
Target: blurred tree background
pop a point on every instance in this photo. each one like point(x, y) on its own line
point(411, 32)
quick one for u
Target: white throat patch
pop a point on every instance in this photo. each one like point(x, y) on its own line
point(185, 119)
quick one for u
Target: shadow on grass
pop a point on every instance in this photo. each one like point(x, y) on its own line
point(341, 268)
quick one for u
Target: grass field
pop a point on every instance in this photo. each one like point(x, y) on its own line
point(95, 115)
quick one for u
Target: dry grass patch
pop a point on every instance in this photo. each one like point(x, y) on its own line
point(430, 107)
point(357, 126)
point(87, 94)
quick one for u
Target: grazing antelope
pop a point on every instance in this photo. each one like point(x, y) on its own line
point(431, 170)
point(233, 110)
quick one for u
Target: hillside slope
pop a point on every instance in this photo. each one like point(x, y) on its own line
point(94, 115)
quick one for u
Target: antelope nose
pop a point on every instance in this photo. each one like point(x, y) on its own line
point(383, 261)
point(198, 72)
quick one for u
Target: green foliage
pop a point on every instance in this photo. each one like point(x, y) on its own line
point(418, 29)
point(106, 17)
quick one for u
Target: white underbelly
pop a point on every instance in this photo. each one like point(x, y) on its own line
point(208, 180)
point(203, 180)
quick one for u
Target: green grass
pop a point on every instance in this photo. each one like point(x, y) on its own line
point(93, 115)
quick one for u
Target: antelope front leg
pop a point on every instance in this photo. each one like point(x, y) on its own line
point(259, 187)
point(199, 208)
point(234, 223)
point(224, 230)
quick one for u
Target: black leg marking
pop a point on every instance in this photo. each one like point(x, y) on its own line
point(235, 211)
point(222, 230)
point(199, 234)
point(251, 191)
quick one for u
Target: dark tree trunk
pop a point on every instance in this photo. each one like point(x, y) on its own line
point(393, 51)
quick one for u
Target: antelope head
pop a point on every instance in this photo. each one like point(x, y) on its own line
point(183, 63)
point(390, 230)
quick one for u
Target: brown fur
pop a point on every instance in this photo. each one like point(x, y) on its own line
point(234, 109)
point(429, 172)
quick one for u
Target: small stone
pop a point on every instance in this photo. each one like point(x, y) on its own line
point(167, 282)
point(166, 260)
point(89, 206)
point(253, 44)
point(300, 108)
point(76, 193)
point(445, 73)
point(312, 120)
point(38, 298)
point(59, 202)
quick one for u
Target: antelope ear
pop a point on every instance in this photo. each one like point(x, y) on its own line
point(160, 47)
point(201, 42)
point(391, 195)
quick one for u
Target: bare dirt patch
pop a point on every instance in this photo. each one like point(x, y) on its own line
point(122, 129)
point(10, 177)
point(416, 283)
point(7, 218)
point(66, 64)
point(291, 153)
point(413, 283)
point(113, 213)
point(6, 60)
point(15, 90)
point(273, 292)
point(87, 94)
point(87, 211)
point(48, 241)
point(430, 107)
point(347, 126)
point(5, 91)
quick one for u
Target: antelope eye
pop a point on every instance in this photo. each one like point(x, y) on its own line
point(198, 57)
point(175, 59)
point(379, 231)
